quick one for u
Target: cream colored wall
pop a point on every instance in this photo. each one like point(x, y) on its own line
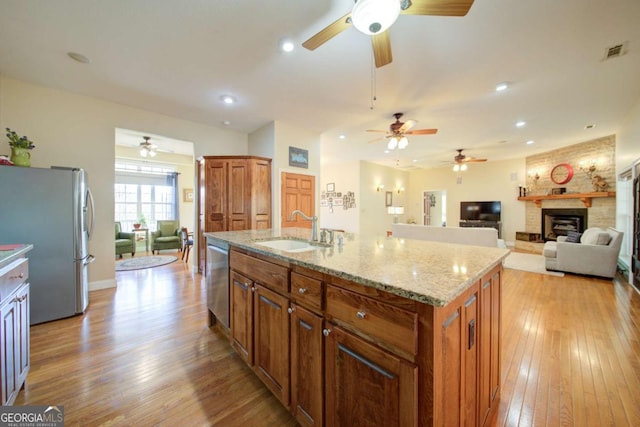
point(79, 131)
point(374, 219)
point(628, 140)
point(493, 180)
point(286, 135)
point(184, 165)
point(346, 177)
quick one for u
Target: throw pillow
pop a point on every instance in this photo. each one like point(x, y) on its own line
point(603, 239)
point(590, 236)
point(573, 237)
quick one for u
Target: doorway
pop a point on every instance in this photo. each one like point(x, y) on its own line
point(297, 192)
point(434, 208)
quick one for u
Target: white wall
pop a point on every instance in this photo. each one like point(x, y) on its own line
point(346, 177)
point(480, 182)
point(79, 131)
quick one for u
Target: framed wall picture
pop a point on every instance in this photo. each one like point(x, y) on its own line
point(388, 199)
point(187, 195)
point(331, 187)
point(298, 157)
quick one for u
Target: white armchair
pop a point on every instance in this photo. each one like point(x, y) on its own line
point(595, 255)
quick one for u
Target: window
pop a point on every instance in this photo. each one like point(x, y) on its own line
point(146, 190)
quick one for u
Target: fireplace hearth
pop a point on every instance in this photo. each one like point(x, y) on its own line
point(558, 222)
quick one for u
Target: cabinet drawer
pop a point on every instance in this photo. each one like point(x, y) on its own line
point(374, 318)
point(12, 276)
point(263, 272)
point(306, 290)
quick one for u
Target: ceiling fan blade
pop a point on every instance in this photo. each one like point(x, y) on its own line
point(382, 48)
point(406, 126)
point(438, 7)
point(378, 139)
point(473, 160)
point(328, 32)
point(376, 130)
point(422, 132)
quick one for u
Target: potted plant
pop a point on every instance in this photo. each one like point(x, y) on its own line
point(142, 222)
point(20, 146)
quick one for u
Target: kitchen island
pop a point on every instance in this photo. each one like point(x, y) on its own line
point(377, 331)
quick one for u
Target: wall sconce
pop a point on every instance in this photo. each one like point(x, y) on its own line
point(597, 181)
point(399, 189)
point(380, 187)
point(395, 210)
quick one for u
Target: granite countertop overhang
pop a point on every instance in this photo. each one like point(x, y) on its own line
point(429, 272)
point(10, 252)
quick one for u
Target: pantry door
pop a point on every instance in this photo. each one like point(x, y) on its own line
point(297, 192)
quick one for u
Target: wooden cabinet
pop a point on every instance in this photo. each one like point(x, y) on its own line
point(490, 319)
point(14, 331)
point(306, 366)
point(366, 385)
point(241, 322)
point(234, 193)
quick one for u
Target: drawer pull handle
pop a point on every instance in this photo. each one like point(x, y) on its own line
point(302, 291)
point(361, 315)
point(19, 276)
point(326, 332)
point(290, 310)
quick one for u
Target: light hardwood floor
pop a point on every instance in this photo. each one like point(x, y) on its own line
point(143, 355)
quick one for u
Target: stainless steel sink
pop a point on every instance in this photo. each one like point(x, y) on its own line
point(289, 245)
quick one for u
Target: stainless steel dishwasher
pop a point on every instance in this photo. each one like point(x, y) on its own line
point(218, 282)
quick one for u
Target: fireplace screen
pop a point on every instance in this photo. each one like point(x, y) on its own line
point(559, 222)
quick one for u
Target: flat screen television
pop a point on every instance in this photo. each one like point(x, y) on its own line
point(480, 211)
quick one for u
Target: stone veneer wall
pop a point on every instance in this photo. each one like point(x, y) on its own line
point(602, 212)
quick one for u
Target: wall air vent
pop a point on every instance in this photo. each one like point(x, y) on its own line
point(616, 51)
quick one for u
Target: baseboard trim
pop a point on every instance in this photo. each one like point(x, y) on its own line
point(102, 284)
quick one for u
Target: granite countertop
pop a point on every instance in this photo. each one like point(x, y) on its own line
point(429, 272)
point(10, 252)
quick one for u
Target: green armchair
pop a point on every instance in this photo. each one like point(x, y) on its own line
point(167, 236)
point(125, 242)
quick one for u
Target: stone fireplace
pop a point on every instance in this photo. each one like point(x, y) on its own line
point(559, 222)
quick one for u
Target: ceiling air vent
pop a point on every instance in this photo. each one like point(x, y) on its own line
point(616, 51)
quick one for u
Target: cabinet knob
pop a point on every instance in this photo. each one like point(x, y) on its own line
point(302, 291)
point(291, 310)
point(361, 315)
point(326, 332)
point(253, 289)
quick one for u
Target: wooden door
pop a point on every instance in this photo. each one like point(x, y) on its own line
point(306, 366)
point(365, 385)
point(260, 194)
point(635, 257)
point(298, 192)
point(216, 173)
point(238, 196)
point(241, 327)
point(271, 340)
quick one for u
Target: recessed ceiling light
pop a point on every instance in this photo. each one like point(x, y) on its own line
point(342, 137)
point(78, 57)
point(590, 126)
point(521, 123)
point(228, 99)
point(529, 142)
point(226, 122)
point(415, 160)
point(287, 45)
point(386, 151)
point(502, 86)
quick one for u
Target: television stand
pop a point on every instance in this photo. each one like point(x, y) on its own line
point(485, 224)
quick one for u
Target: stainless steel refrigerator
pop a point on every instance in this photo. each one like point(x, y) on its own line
point(52, 209)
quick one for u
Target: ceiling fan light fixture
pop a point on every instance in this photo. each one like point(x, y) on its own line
point(402, 144)
point(393, 143)
point(374, 16)
point(463, 167)
point(456, 167)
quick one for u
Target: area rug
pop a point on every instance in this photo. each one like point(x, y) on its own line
point(528, 262)
point(144, 262)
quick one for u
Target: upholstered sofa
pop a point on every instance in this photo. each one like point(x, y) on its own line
point(594, 254)
point(167, 236)
point(479, 236)
point(125, 242)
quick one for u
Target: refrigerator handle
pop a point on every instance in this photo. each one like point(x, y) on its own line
point(90, 202)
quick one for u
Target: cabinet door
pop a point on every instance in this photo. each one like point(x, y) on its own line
point(365, 385)
point(22, 334)
point(241, 328)
point(9, 316)
point(238, 196)
point(215, 198)
point(271, 335)
point(306, 366)
point(489, 343)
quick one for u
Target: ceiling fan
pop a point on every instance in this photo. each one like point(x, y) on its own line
point(460, 160)
point(147, 148)
point(398, 130)
point(374, 17)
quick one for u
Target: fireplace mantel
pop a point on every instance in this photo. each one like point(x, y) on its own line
point(584, 197)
